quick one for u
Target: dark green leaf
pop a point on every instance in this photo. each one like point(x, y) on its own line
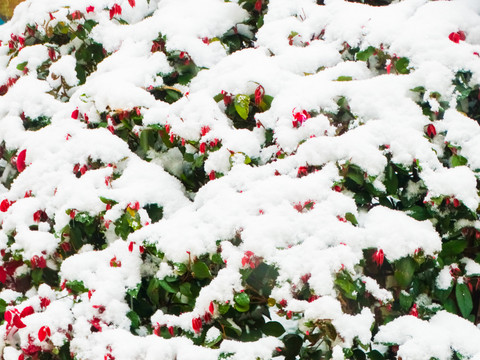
point(453, 247)
point(365, 54)
point(242, 302)
point(391, 180)
point(404, 270)
point(134, 318)
point(464, 299)
point(166, 286)
point(200, 270)
point(418, 212)
point(273, 328)
point(375, 355)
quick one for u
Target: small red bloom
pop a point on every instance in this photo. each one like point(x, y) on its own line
point(130, 246)
point(300, 117)
point(259, 93)
point(43, 333)
point(282, 303)
point(456, 203)
point(203, 148)
point(456, 37)
point(289, 314)
point(205, 130)
point(44, 302)
point(52, 54)
point(75, 114)
point(3, 275)
point(206, 40)
point(17, 322)
point(227, 98)
point(115, 263)
point(115, 10)
point(212, 175)
point(378, 257)
point(337, 188)
point(4, 205)
point(170, 331)
point(76, 15)
point(302, 171)
point(197, 324)
point(431, 131)
point(72, 214)
point(132, 3)
point(207, 317)
point(211, 307)
point(414, 311)
point(21, 160)
point(258, 5)
point(39, 215)
point(90, 9)
point(27, 311)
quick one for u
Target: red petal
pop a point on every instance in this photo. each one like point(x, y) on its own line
point(42, 334)
point(17, 322)
point(27, 311)
point(8, 316)
point(21, 160)
point(3, 275)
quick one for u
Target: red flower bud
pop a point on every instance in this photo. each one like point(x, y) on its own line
point(21, 160)
point(75, 114)
point(4, 205)
point(197, 324)
point(43, 333)
point(90, 9)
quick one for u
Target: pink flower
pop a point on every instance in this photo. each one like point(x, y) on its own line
point(378, 257)
point(90, 9)
point(21, 160)
point(197, 324)
point(431, 131)
point(259, 94)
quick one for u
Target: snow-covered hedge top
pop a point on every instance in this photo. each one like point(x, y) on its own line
point(180, 177)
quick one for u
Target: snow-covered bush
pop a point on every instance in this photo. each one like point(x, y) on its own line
point(250, 179)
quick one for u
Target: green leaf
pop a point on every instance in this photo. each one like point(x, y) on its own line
point(406, 300)
point(218, 97)
point(464, 299)
point(453, 247)
point(391, 180)
point(293, 345)
point(404, 270)
point(153, 292)
point(166, 286)
point(417, 212)
point(344, 78)
point(134, 291)
point(356, 176)
point(134, 319)
point(147, 139)
point(200, 270)
point(350, 217)
point(375, 355)
point(402, 65)
point(365, 54)
point(76, 286)
point(37, 276)
point(273, 328)
point(242, 103)
point(347, 287)
point(458, 160)
point(242, 302)
point(154, 211)
point(22, 65)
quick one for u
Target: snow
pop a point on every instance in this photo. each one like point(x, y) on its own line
point(248, 201)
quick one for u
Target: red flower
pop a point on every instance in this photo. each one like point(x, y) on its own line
point(197, 324)
point(75, 114)
point(211, 307)
point(212, 175)
point(431, 131)
point(259, 93)
point(76, 15)
point(300, 117)
point(227, 98)
point(39, 215)
point(378, 257)
point(205, 130)
point(115, 10)
point(456, 37)
point(456, 203)
point(3, 275)
point(44, 302)
point(282, 303)
point(132, 3)
point(21, 160)
point(207, 317)
point(43, 333)
point(72, 214)
point(17, 322)
point(38, 262)
point(206, 40)
point(337, 188)
point(414, 311)
point(170, 331)
point(258, 5)
point(135, 206)
point(302, 171)
point(52, 54)
point(90, 9)
point(27, 311)
point(203, 147)
point(115, 263)
point(4, 205)
point(3, 90)
point(130, 246)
